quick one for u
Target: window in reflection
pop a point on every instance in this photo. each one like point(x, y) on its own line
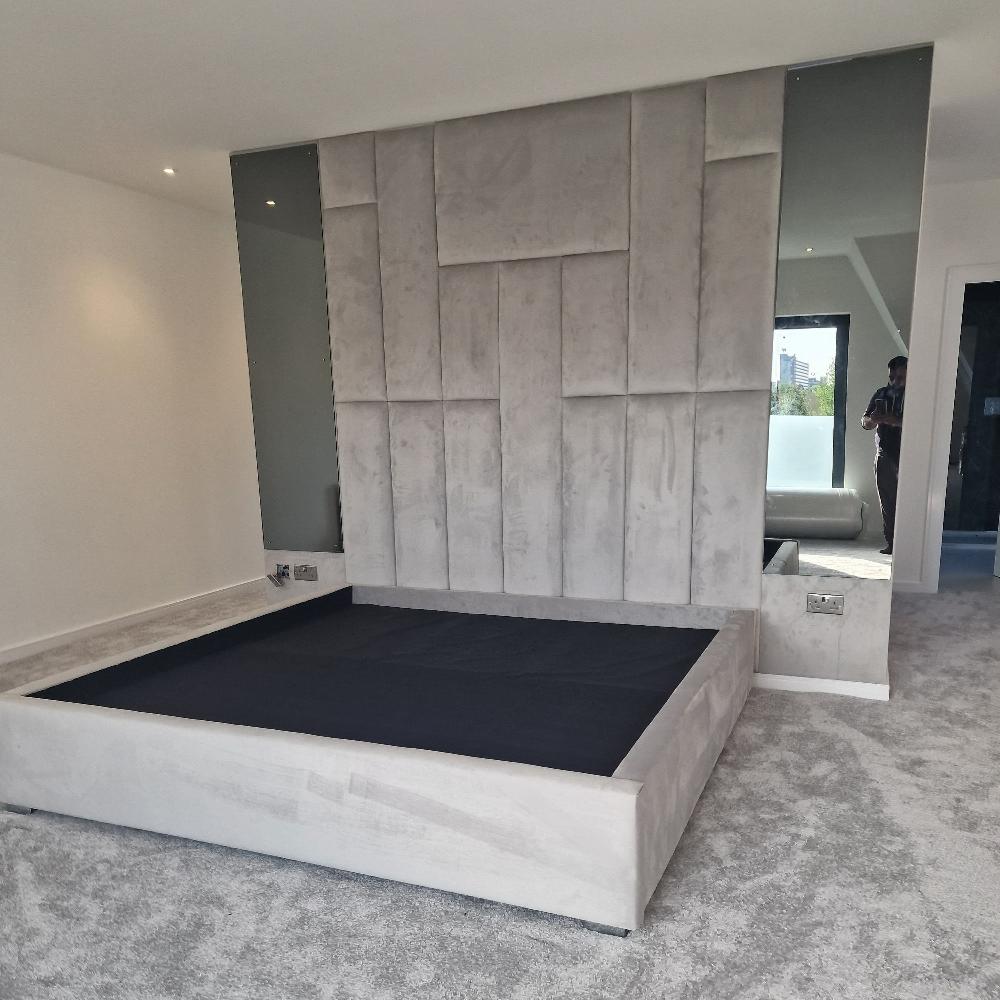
point(808, 395)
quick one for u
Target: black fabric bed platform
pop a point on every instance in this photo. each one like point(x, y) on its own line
point(568, 695)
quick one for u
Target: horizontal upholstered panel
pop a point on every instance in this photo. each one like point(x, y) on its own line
point(537, 182)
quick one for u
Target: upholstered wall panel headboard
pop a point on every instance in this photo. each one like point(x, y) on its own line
point(538, 182)
point(551, 337)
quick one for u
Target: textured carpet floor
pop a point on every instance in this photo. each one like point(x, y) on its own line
point(843, 848)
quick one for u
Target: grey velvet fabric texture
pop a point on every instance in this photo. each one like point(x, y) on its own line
point(600, 249)
point(842, 850)
point(366, 492)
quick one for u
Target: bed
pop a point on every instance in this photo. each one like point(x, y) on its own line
point(543, 752)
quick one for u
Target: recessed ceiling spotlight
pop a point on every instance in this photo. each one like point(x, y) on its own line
point(169, 171)
point(269, 203)
point(809, 249)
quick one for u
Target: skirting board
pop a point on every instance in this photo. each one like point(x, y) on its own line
point(821, 685)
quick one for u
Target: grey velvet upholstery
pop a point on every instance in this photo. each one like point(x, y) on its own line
point(597, 278)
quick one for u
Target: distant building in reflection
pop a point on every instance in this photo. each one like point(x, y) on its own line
point(791, 371)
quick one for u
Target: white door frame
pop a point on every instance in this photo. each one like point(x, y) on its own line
point(944, 407)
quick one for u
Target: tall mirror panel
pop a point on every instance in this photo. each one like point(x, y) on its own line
point(853, 163)
point(280, 230)
point(854, 144)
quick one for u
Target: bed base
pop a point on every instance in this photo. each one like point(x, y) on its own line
point(583, 846)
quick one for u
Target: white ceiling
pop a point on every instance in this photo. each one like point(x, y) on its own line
point(117, 89)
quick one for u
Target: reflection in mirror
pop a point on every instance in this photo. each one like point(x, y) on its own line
point(853, 158)
point(280, 236)
point(808, 402)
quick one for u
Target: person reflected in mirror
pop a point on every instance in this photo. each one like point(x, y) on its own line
point(884, 416)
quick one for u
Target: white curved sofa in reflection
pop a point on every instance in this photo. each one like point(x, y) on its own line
point(812, 513)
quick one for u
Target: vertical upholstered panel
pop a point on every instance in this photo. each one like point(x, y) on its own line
point(594, 324)
point(744, 113)
point(366, 493)
point(347, 170)
point(469, 295)
point(743, 131)
point(531, 426)
point(416, 441)
point(354, 301)
point(472, 474)
point(593, 496)
point(738, 260)
point(730, 469)
point(660, 477)
point(404, 165)
point(668, 131)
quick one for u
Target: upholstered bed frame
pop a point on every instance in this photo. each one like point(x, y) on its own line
point(581, 845)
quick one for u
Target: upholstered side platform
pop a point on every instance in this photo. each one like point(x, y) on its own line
point(545, 839)
point(580, 845)
point(570, 609)
point(674, 758)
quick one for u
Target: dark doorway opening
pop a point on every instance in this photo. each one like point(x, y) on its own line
point(972, 500)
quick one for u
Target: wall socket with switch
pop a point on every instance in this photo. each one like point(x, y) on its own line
point(306, 572)
point(825, 604)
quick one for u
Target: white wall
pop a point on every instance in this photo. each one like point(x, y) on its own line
point(126, 445)
point(831, 285)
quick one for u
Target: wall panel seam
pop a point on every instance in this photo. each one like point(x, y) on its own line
point(444, 443)
point(562, 446)
point(503, 561)
point(385, 367)
point(697, 353)
point(437, 282)
point(628, 205)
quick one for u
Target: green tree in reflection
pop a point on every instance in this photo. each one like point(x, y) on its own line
point(815, 400)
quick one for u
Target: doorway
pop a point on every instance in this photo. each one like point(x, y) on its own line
point(972, 496)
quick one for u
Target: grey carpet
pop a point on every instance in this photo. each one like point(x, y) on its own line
point(843, 849)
